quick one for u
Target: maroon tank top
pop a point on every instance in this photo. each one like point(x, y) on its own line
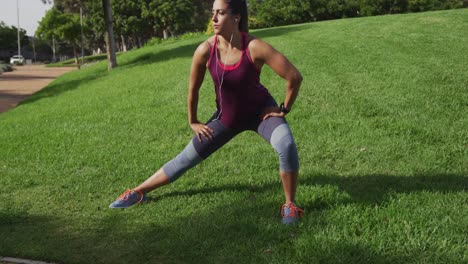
point(241, 97)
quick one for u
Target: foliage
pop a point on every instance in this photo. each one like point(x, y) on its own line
point(68, 6)
point(60, 26)
point(94, 21)
point(426, 5)
point(127, 16)
point(9, 37)
point(138, 21)
point(5, 67)
point(209, 28)
point(281, 12)
point(172, 15)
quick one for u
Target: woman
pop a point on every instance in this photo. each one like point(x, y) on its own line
point(234, 60)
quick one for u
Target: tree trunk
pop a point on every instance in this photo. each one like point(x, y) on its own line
point(166, 33)
point(34, 49)
point(139, 42)
point(54, 59)
point(75, 54)
point(110, 41)
point(134, 41)
point(124, 44)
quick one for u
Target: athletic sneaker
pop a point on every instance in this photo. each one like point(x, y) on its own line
point(291, 213)
point(128, 198)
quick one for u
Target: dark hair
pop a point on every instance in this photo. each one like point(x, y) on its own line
point(239, 7)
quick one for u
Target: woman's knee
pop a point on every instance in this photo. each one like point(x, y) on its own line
point(284, 145)
point(185, 160)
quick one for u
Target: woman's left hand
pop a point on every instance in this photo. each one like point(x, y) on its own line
point(272, 112)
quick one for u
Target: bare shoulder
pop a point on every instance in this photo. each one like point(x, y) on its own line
point(203, 50)
point(211, 40)
point(258, 48)
point(255, 42)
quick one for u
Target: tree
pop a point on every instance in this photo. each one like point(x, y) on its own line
point(112, 61)
point(47, 29)
point(129, 23)
point(170, 16)
point(95, 24)
point(201, 16)
point(9, 36)
point(64, 26)
point(67, 6)
point(283, 12)
point(70, 31)
point(99, 25)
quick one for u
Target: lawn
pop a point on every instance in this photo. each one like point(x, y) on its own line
point(381, 124)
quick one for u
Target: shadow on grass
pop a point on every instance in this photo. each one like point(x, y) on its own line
point(239, 231)
point(369, 189)
point(57, 88)
point(375, 188)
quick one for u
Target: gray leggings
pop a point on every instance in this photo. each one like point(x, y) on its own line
point(274, 130)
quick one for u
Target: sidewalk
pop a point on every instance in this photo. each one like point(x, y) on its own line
point(25, 80)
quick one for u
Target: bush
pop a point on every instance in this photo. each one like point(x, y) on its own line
point(421, 5)
point(5, 67)
point(283, 12)
point(209, 28)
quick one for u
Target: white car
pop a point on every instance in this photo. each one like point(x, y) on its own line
point(17, 59)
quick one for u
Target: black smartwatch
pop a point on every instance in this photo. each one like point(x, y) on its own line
point(284, 109)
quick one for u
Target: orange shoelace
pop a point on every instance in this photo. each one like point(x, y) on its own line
point(294, 211)
point(124, 196)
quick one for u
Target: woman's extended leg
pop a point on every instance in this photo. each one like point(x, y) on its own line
point(158, 179)
point(193, 154)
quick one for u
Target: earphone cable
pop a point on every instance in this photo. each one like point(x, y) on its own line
point(222, 76)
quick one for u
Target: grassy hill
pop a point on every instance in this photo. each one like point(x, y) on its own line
point(381, 124)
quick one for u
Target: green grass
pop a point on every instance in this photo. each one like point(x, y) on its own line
point(381, 124)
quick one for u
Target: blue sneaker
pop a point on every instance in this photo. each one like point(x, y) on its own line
point(128, 198)
point(290, 213)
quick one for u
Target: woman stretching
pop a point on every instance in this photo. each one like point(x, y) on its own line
point(234, 60)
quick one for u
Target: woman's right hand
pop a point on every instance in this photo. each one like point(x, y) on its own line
point(202, 130)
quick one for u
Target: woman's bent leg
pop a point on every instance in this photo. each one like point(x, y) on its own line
point(276, 131)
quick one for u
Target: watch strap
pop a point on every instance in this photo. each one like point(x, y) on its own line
point(284, 109)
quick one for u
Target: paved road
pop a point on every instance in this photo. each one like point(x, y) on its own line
point(18, 85)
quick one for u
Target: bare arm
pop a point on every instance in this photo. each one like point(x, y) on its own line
point(263, 53)
point(197, 74)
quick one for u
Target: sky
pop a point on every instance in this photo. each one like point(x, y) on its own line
point(30, 13)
